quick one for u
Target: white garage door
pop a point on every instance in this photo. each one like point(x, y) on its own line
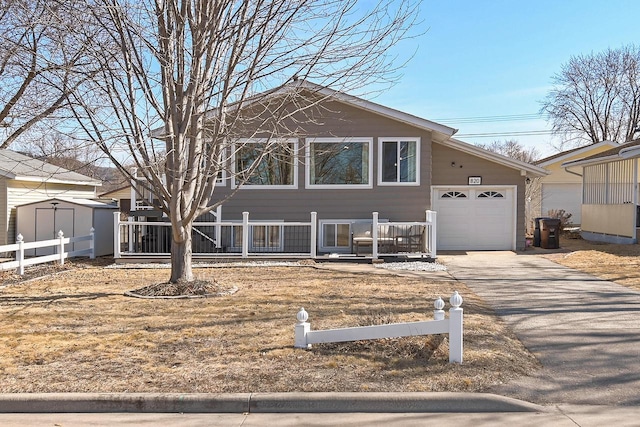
point(475, 218)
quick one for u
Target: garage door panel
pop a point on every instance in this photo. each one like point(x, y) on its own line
point(483, 220)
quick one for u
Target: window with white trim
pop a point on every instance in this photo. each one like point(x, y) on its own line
point(266, 164)
point(336, 235)
point(339, 162)
point(398, 161)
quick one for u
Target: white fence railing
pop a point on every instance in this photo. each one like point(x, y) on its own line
point(248, 238)
point(304, 336)
point(59, 248)
point(226, 238)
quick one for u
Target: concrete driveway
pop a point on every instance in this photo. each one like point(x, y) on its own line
point(585, 331)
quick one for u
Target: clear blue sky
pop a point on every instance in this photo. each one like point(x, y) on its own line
point(496, 58)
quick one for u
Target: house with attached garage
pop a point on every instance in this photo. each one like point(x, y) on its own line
point(24, 179)
point(610, 193)
point(562, 188)
point(356, 158)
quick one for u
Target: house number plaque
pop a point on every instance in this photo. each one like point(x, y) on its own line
point(475, 180)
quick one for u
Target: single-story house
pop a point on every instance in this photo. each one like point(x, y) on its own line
point(610, 193)
point(356, 157)
point(24, 179)
point(562, 188)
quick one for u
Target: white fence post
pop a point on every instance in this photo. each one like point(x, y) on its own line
point(455, 329)
point(130, 232)
point(314, 234)
point(92, 243)
point(20, 254)
point(245, 234)
point(302, 328)
point(374, 235)
point(438, 313)
point(430, 239)
point(116, 235)
point(61, 246)
point(218, 228)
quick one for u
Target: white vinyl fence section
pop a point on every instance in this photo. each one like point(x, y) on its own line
point(304, 336)
point(58, 244)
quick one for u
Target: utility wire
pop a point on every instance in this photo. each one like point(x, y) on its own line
point(499, 134)
point(489, 119)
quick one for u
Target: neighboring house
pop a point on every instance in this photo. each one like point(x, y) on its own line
point(357, 157)
point(610, 193)
point(25, 180)
point(562, 189)
point(122, 196)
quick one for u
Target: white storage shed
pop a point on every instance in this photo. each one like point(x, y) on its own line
point(75, 217)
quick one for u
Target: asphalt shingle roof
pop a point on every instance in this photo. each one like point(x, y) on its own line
point(19, 166)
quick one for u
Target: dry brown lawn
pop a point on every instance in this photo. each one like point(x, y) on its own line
point(618, 263)
point(75, 331)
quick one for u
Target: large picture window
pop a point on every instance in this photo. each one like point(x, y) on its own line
point(262, 164)
point(399, 161)
point(339, 162)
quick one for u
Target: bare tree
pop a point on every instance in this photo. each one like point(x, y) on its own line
point(533, 189)
point(201, 75)
point(513, 149)
point(596, 97)
point(40, 64)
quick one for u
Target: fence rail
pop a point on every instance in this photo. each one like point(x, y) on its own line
point(304, 336)
point(247, 238)
point(59, 248)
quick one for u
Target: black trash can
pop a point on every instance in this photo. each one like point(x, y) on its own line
point(536, 230)
point(550, 233)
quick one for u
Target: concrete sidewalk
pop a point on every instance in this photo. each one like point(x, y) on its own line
point(585, 331)
point(561, 417)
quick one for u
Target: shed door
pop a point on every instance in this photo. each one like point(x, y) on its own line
point(475, 218)
point(49, 222)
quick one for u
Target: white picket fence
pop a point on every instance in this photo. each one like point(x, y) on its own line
point(59, 247)
point(304, 336)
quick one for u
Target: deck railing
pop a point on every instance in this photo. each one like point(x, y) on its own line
point(223, 238)
point(248, 238)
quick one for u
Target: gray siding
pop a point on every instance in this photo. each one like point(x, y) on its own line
point(399, 203)
point(395, 203)
point(4, 218)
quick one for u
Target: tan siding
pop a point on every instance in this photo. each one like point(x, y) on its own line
point(123, 193)
point(22, 192)
point(616, 220)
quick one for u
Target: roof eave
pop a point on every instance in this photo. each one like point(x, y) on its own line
point(576, 152)
point(530, 169)
point(590, 162)
point(56, 180)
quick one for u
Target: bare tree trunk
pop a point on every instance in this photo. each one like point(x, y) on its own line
point(181, 253)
